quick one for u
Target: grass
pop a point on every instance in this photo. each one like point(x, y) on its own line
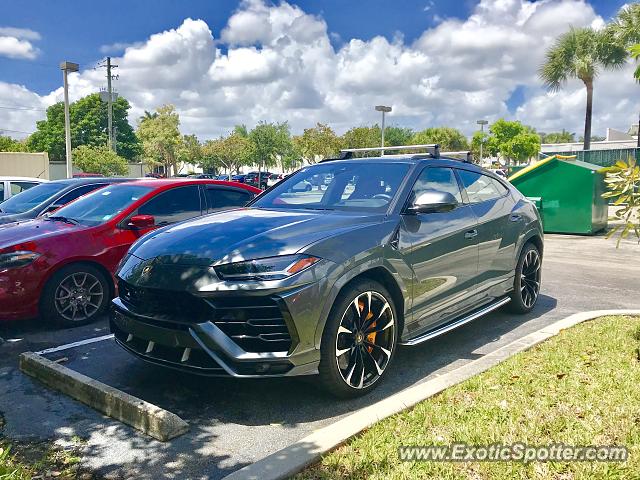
point(37, 460)
point(581, 387)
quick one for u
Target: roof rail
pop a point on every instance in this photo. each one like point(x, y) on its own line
point(432, 149)
point(466, 154)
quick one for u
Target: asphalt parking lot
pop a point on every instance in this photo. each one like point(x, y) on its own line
point(235, 422)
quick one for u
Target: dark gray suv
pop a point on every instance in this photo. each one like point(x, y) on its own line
point(378, 252)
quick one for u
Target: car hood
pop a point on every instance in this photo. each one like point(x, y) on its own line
point(33, 231)
point(245, 233)
point(14, 217)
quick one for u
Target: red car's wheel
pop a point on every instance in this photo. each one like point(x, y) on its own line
point(75, 295)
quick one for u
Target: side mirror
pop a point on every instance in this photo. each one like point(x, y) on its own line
point(433, 201)
point(140, 222)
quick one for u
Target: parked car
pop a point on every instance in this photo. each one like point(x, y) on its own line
point(252, 179)
point(48, 197)
point(61, 266)
point(393, 251)
point(301, 186)
point(274, 178)
point(10, 186)
point(239, 178)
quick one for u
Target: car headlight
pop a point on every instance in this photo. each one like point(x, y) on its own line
point(17, 259)
point(271, 268)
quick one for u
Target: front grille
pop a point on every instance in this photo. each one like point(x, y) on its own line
point(256, 324)
point(166, 304)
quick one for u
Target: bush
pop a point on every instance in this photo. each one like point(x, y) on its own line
point(623, 182)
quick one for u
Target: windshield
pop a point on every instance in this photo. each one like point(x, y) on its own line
point(101, 205)
point(343, 185)
point(25, 201)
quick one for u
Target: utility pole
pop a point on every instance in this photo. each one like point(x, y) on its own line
point(482, 123)
point(384, 109)
point(110, 96)
point(67, 67)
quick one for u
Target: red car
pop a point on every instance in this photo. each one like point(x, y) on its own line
point(62, 266)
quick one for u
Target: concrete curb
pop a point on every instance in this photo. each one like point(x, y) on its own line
point(146, 417)
point(294, 458)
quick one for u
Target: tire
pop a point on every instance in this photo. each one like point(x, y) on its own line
point(347, 355)
point(526, 283)
point(88, 288)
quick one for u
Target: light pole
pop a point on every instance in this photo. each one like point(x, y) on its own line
point(67, 67)
point(384, 109)
point(482, 123)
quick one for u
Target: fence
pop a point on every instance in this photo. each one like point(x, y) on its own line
point(604, 158)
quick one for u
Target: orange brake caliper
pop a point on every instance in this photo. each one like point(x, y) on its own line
point(371, 338)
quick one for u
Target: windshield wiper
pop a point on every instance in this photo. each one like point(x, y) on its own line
point(60, 218)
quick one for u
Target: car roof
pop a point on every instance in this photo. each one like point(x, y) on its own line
point(170, 182)
point(413, 160)
point(27, 179)
point(88, 180)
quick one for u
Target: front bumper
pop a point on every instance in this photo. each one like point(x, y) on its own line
point(210, 342)
point(20, 292)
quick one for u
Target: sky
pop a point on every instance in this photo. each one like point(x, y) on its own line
point(224, 62)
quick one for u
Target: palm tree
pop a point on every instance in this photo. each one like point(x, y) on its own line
point(626, 29)
point(626, 26)
point(581, 53)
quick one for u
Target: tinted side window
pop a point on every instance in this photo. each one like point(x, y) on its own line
point(1, 191)
point(480, 188)
point(438, 179)
point(219, 198)
point(174, 205)
point(17, 187)
point(78, 192)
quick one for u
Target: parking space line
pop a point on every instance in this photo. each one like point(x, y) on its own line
point(79, 343)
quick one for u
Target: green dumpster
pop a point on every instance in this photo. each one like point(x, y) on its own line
point(570, 194)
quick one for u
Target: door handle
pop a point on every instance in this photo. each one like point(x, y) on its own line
point(515, 217)
point(471, 233)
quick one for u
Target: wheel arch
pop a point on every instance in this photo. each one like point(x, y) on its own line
point(73, 262)
point(378, 273)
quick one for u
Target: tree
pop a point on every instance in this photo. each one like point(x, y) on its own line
point(626, 29)
point(161, 139)
point(271, 142)
point(100, 160)
point(190, 150)
point(558, 137)
point(395, 136)
point(88, 119)
point(228, 153)
point(8, 144)
point(448, 138)
point(362, 137)
point(510, 140)
point(318, 143)
point(581, 53)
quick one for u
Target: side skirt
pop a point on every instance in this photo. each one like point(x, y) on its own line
point(456, 323)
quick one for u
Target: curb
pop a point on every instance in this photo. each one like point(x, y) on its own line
point(294, 458)
point(146, 417)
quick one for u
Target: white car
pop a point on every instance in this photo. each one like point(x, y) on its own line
point(10, 186)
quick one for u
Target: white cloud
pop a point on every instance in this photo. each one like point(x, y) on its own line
point(16, 43)
point(118, 47)
point(276, 62)
point(24, 33)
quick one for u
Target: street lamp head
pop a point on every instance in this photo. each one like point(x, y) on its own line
point(69, 66)
point(482, 122)
point(383, 108)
